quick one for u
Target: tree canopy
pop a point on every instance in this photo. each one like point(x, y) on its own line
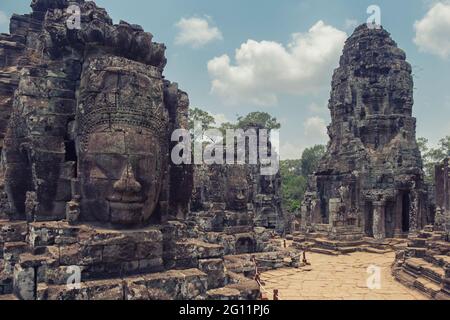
point(431, 156)
point(295, 175)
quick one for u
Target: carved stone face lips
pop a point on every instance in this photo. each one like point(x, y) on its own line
point(126, 205)
point(126, 211)
point(125, 202)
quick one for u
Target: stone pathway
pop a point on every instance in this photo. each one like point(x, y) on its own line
point(339, 278)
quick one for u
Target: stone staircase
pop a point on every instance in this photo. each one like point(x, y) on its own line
point(425, 265)
point(316, 243)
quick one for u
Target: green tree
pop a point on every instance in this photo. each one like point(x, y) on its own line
point(197, 115)
point(432, 156)
point(310, 159)
point(295, 175)
point(259, 120)
point(422, 143)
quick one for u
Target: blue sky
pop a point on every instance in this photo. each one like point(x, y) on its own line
point(271, 24)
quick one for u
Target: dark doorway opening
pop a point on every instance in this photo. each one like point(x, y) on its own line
point(71, 152)
point(406, 203)
point(369, 219)
point(245, 245)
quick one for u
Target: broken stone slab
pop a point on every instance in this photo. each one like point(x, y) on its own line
point(178, 284)
point(223, 294)
point(13, 231)
point(215, 269)
point(140, 292)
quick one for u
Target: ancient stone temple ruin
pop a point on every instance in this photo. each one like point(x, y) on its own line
point(424, 264)
point(442, 180)
point(370, 182)
point(89, 191)
point(229, 207)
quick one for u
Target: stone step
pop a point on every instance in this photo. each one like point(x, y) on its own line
point(324, 251)
point(333, 245)
point(442, 261)
point(348, 250)
point(416, 252)
point(179, 284)
point(8, 297)
point(405, 278)
point(316, 235)
point(247, 290)
point(427, 287)
point(426, 234)
point(427, 270)
point(376, 251)
point(433, 273)
point(417, 243)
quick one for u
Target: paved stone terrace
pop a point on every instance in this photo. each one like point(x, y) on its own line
point(338, 278)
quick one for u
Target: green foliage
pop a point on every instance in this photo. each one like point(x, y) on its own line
point(258, 120)
point(254, 119)
point(310, 159)
point(197, 115)
point(432, 156)
point(295, 175)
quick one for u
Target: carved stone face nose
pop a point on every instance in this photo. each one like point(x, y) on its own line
point(127, 184)
point(240, 196)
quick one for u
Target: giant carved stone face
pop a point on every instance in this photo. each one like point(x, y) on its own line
point(121, 176)
point(237, 188)
point(122, 147)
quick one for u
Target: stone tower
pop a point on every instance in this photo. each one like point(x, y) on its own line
point(370, 182)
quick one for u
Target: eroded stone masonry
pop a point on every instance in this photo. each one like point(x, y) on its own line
point(424, 264)
point(91, 206)
point(88, 189)
point(370, 182)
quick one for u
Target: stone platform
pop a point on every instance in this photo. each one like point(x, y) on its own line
point(424, 264)
point(319, 243)
point(39, 261)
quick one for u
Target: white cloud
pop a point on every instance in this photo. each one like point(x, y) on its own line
point(196, 32)
point(291, 151)
point(3, 18)
point(265, 69)
point(220, 118)
point(432, 32)
point(316, 130)
point(350, 24)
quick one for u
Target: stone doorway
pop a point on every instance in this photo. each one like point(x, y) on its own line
point(406, 204)
point(245, 245)
point(368, 214)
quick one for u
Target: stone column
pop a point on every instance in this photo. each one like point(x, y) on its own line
point(413, 212)
point(379, 216)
